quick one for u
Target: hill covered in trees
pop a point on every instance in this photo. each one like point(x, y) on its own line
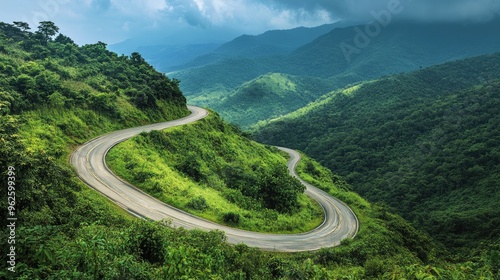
point(56, 95)
point(268, 96)
point(426, 143)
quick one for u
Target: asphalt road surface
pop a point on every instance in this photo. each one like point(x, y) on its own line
point(89, 160)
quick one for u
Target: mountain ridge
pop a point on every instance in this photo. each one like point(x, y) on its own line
point(272, 42)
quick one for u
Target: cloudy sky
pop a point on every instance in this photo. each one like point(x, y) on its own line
point(112, 21)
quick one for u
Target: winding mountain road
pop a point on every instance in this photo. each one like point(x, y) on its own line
point(89, 160)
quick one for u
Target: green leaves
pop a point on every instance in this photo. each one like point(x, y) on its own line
point(231, 218)
point(279, 190)
point(198, 203)
point(47, 29)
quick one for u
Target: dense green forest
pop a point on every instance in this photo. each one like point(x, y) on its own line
point(56, 95)
point(333, 60)
point(426, 143)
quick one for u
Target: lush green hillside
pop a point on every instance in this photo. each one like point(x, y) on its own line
point(426, 143)
point(208, 169)
point(65, 230)
point(214, 79)
point(400, 47)
point(268, 96)
point(38, 71)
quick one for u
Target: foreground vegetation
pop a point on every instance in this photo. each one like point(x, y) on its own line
point(74, 233)
point(65, 230)
point(425, 143)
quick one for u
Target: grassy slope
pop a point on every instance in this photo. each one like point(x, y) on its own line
point(210, 148)
point(422, 142)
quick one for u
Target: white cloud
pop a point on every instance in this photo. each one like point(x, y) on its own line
point(301, 17)
point(91, 20)
point(247, 15)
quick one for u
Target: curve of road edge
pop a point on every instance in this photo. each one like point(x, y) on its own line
point(89, 160)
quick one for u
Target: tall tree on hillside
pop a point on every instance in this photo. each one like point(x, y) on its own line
point(137, 58)
point(47, 29)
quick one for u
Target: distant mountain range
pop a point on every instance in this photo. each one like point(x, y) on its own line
point(175, 47)
point(168, 54)
point(273, 42)
point(335, 57)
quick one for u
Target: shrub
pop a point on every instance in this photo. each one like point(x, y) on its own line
point(198, 203)
point(231, 218)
